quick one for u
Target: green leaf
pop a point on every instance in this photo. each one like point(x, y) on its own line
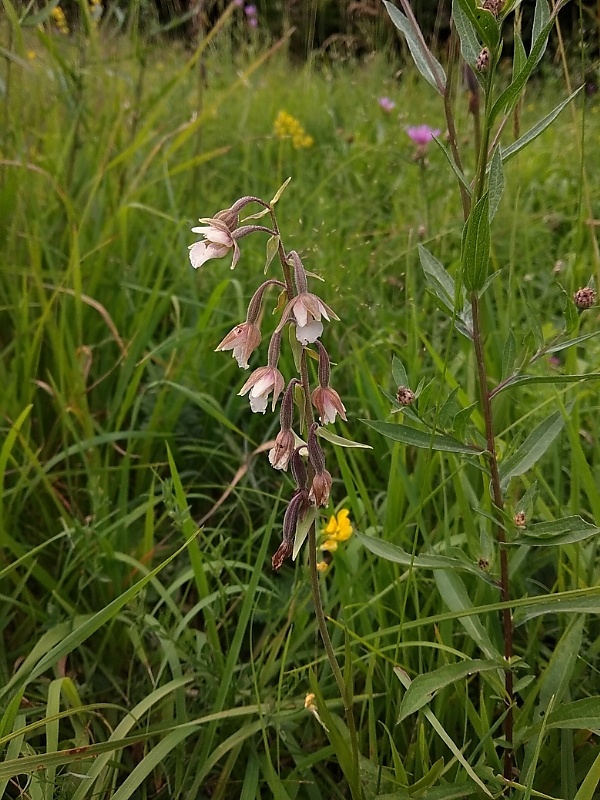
point(532, 449)
point(272, 247)
point(423, 688)
point(442, 284)
point(476, 246)
point(429, 67)
point(302, 531)
point(454, 595)
point(541, 18)
point(280, 191)
point(519, 54)
point(587, 790)
point(509, 353)
point(418, 438)
point(558, 531)
point(483, 21)
point(558, 605)
point(326, 434)
point(470, 46)
point(399, 373)
point(538, 128)
point(519, 380)
point(556, 348)
point(394, 553)
point(444, 736)
point(577, 715)
point(455, 168)
point(509, 97)
point(495, 183)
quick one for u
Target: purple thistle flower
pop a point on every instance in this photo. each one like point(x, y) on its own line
point(251, 11)
point(421, 135)
point(386, 104)
point(252, 22)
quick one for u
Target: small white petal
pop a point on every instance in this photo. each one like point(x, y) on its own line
point(300, 312)
point(262, 386)
point(308, 334)
point(238, 354)
point(258, 404)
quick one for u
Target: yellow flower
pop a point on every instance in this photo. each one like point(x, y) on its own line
point(31, 54)
point(338, 529)
point(58, 15)
point(288, 127)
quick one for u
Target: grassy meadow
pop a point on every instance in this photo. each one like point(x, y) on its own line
point(147, 649)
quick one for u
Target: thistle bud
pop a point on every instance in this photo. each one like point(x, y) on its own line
point(585, 297)
point(405, 396)
point(520, 519)
point(483, 60)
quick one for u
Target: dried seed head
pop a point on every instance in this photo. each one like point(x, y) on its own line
point(520, 519)
point(405, 396)
point(495, 6)
point(585, 297)
point(483, 60)
point(483, 563)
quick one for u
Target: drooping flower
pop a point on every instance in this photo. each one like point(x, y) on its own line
point(243, 341)
point(328, 403)
point(386, 104)
point(218, 241)
point(281, 452)
point(307, 309)
point(260, 384)
point(421, 135)
point(338, 529)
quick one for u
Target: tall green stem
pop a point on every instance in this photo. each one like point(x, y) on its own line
point(496, 490)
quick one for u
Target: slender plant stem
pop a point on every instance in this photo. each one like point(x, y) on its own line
point(498, 502)
point(335, 667)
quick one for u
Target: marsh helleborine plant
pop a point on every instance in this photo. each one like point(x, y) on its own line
point(305, 313)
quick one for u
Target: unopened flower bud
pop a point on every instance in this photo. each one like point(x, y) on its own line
point(483, 60)
point(405, 396)
point(293, 514)
point(585, 297)
point(281, 452)
point(494, 6)
point(298, 469)
point(315, 453)
point(520, 519)
point(321, 488)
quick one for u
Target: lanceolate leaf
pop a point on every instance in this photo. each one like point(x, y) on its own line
point(558, 605)
point(442, 283)
point(476, 246)
point(391, 552)
point(496, 183)
point(429, 67)
point(418, 438)
point(559, 531)
point(324, 433)
point(537, 129)
point(423, 688)
point(507, 100)
point(470, 46)
point(483, 21)
point(578, 714)
point(519, 380)
point(532, 449)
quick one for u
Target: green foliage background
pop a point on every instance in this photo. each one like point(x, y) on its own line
point(196, 675)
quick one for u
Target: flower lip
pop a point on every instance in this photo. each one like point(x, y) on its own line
point(260, 384)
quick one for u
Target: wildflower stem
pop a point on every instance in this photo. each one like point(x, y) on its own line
point(452, 135)
point(335, 667)
point(498, 502)
point(287, 271)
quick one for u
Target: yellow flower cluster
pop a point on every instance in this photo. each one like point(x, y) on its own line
point(338, 529)
point(58, 15)
point(288, 127)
